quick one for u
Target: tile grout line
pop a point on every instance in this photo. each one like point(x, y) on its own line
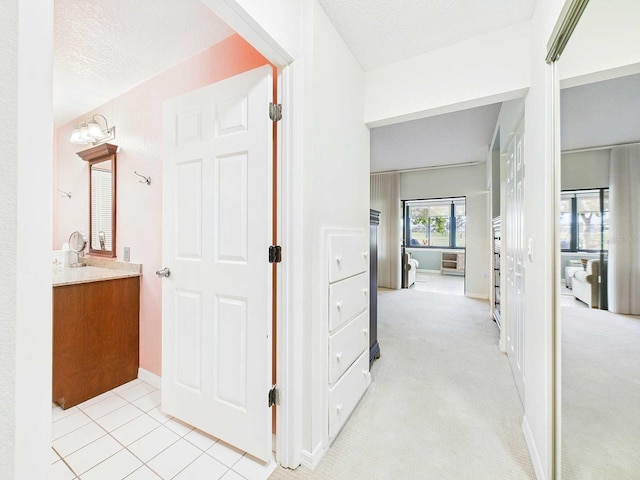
point(107, 434)
point(94, 441)
point(99, 426)
point(75, 429)
point(126, 448)
point(190, 463)
point(202, 452)
point(69, 467)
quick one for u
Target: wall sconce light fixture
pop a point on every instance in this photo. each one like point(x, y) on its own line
point(90, 131)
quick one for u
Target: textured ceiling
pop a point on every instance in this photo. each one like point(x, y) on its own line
point(599, 114)
point(449, 139)
point(379, 32)
point(103, 49)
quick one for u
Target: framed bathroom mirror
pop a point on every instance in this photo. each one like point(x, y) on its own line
point(102, 199)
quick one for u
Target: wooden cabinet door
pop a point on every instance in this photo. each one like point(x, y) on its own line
point(95, 338)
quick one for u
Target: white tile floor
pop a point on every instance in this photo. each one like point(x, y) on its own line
point(124, 434)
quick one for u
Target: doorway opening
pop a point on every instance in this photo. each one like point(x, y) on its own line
point(139, 156)
point(434, 235)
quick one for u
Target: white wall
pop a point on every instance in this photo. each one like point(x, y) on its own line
point(539, 229)
point(280, 19)
point(26, 53)
point(469, 182)
point(336, 188)
point(8, 240)
point(585, 170)
point(511, 115)
point(601, 113)
point(604, 44)
point(450, 139)
point(487, 69)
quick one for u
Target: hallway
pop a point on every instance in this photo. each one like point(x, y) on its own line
point(442, 404)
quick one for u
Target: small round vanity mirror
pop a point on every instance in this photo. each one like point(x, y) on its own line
point(77, 244)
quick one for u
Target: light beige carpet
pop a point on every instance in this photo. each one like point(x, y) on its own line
point(442, 404)
point(600, 395)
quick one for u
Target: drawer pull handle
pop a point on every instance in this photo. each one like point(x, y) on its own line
point(339, 305)
point(364, 331)
point(339, 259)
point(339, 356)
point(339, 408)
point(364, 290)
point(365, 254)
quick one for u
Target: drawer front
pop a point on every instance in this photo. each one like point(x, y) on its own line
point(347, 392)
point(346, 345)
point(347, 299)
point(348, 255)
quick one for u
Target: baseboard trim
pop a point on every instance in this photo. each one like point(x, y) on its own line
point(533, 451)
point(311, 460)
point(151, 378)
point(479, 296)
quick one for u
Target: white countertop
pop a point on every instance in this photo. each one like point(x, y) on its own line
point(71, 276)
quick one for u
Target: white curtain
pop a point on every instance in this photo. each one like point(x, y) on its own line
point(624, 230)
point(385, 197)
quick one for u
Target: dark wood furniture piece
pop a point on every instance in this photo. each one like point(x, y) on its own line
point(95, 338)
point(374, 346)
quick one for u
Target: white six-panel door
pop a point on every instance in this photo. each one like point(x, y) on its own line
point(216, 303)
point(515, 252)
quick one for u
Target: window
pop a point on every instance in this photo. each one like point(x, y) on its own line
point(584, 220)
point(437, 223)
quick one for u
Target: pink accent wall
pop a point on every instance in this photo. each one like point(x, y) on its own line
point(137, 115)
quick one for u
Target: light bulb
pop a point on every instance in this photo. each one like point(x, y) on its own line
point(95, 132)
point(75, 136)
point(84, 135)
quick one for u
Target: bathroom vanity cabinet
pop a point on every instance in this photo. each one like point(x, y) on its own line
point(95, 337)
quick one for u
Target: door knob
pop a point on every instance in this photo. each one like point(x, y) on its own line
point(165, 272)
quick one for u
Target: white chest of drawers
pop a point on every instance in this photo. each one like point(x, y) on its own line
point(348, 374)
